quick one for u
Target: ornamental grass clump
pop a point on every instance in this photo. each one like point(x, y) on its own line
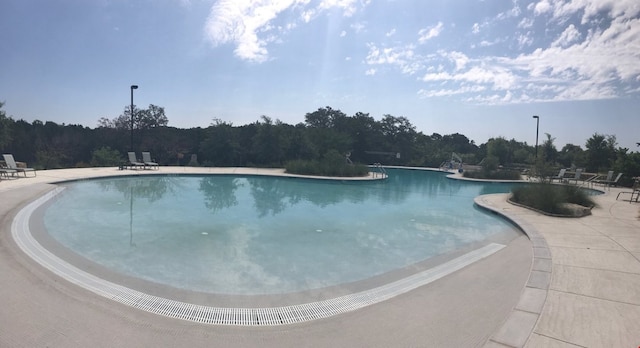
point(552, 199)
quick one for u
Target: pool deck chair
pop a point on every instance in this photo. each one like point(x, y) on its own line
point(609, 181)
point(146, 158)
point(133, 161)
point(11, 164)
point(6, 172)
point(577, 176)
point(560, 175)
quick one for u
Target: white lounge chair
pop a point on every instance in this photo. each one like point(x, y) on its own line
point(608, 181)
point(6, 172)
point(560, 175)
point(11, 164)
point(577, 176)
point(146, 159)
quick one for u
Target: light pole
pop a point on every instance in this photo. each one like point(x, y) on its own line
point(131, 111)
point(537, 128)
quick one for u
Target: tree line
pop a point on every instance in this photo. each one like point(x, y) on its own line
point(391, 140)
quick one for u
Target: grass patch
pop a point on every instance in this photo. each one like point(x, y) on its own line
point(552, 199)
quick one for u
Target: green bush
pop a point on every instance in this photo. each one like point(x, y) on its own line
point(493, 175)
point(332, 164)
point(551, 198)
point(105, 157)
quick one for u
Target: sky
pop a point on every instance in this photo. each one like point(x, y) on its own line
point(481, 68)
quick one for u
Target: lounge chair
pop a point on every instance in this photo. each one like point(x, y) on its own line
point(6, 172)
point(146, 159)
point(577, 176)
point(133, 161)
point(560, 175)
point(11, 164)
point(608, 181)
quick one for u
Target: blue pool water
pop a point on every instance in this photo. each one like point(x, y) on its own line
point(268, 235)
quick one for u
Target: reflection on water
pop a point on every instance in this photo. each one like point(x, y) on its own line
point(260, 235)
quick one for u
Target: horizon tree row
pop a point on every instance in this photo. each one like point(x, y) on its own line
point(391, 140)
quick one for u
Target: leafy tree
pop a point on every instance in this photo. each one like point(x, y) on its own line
point(549, 151)
point(499, 148)
point(220, 146)
point(600, 152)
point(5, 128)
point(149, 118)
point(105, 157)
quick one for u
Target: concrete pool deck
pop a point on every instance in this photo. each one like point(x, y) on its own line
point(584, 290)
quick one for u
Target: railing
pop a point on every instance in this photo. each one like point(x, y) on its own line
point(379, 170)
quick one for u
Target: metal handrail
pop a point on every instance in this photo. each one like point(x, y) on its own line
point(380, 169)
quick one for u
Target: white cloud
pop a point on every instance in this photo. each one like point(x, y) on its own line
point(429, 33)
point(525, 23)
point(248, 24)
point(390, 32)
point(513, 12)
point(343, 33)
point(525, 40)
point(370, 72)
point(475, 28)
point(403, 57)
point(426, 93)
point(499, 78)
point(358, 27)
point(568, 36)
point(350, 7)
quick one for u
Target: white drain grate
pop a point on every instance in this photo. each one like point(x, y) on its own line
point(221, 315)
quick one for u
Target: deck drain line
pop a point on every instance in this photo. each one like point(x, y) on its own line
point(221, 315)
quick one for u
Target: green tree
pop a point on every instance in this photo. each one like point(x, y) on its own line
point(601, 152)
point(549, 151)
point(220, 146)
point(105, 157)
point(499, 148)
point(5, 128)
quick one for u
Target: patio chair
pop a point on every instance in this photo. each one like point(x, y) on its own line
point(11, 164)
point(133, 161)
point(146, 159)
point(560, 175)
point(6, 172)
point(608, 181)
point(577, 176)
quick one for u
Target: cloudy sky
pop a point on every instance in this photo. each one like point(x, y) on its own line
point(480, 68)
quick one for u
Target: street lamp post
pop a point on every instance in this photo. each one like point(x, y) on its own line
point(537, 128)
point(131, 111)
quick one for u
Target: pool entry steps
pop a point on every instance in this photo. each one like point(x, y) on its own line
point(228, 316)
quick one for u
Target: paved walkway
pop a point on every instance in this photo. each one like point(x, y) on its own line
point(581, 290)
point(585, 282)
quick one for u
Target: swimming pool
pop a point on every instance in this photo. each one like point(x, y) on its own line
point(251, 235)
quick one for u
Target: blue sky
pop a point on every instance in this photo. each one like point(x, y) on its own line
point(480, 68)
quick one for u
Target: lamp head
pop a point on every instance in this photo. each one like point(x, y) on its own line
point(533, 116)
point(134, 86)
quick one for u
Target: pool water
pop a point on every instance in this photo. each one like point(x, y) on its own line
point(248, 235)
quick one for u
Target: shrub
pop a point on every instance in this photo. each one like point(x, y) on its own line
point(551, 198)
point(494, 175)
point(105, 157)
point(332, 164)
